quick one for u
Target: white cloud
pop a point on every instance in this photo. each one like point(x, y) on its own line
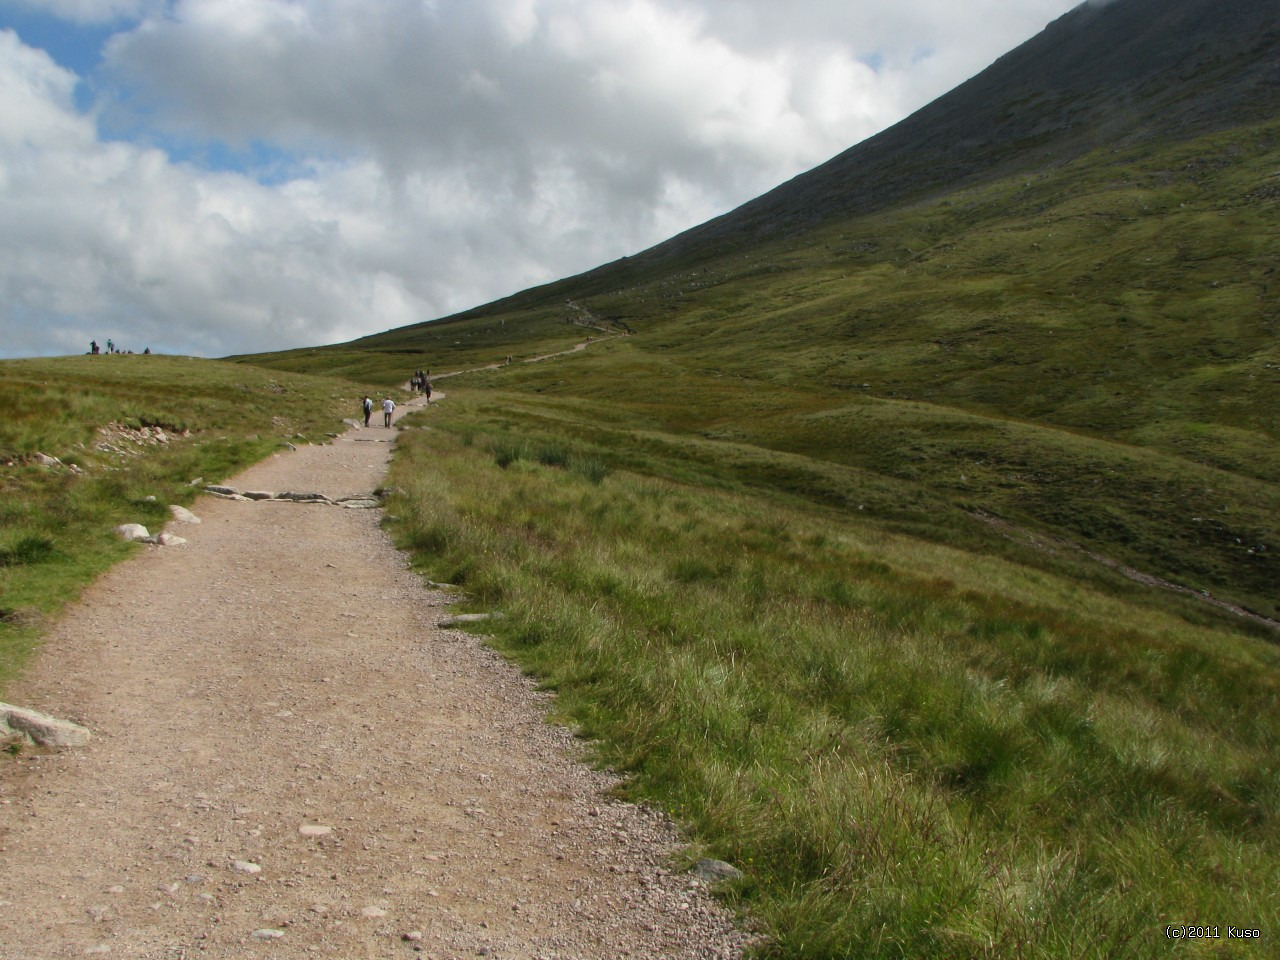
point(438, 154)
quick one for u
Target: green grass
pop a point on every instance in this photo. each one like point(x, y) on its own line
point(103, 416)
point(913, 750)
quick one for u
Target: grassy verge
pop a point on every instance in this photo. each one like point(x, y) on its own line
point(912, 749)
point(129, 433)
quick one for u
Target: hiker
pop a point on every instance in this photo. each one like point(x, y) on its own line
point(146, 352)
point(368, 410)
point(388, 407)
point(111, 347)
point(93, 347)
point(426, 390)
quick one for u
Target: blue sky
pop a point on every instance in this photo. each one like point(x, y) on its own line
point(223, 176)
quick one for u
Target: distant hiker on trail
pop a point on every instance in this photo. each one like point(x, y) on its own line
point(111, 347)
point(367, 405)
point(426, 390)
point(146, 352)
point(388, 407)
point(93, 347)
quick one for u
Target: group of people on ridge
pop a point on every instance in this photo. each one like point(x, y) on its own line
point(95, 350)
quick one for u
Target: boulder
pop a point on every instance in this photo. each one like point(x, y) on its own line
point(41, 729)
point(715, 871)
point(182, 514)
point(133, 531)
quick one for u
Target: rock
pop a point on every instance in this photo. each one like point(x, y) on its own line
point(359, 503)
point(132, 531)
point(303, 497)
point(41, 729)
point(373, 913)
point(314, 830)
point(286, 443)
point(182, 514)
point(165, 540)
point(47, 460)
point(221, 490)
point(714, 871)
point(259, 495)
point(268, 933)
point(244, 866)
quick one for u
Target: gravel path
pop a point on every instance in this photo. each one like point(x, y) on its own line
point(292, 759)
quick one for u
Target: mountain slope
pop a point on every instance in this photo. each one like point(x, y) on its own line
point(1101, 74)
point(1049, 297)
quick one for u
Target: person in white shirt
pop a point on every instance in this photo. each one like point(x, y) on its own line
point(388, 407)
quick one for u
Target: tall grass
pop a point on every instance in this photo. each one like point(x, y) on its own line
point(912, 751)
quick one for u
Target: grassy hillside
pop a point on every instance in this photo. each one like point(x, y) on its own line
point(1088, 353)
point(912, 750)
point(131, 433)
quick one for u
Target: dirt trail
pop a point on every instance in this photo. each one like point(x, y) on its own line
point(292, 759)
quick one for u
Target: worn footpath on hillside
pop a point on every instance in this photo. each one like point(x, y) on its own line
point(291, 758)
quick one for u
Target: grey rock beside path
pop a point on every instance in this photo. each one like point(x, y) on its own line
point(41, 729)
point(182, 514)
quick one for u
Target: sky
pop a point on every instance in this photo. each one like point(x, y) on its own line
point(216, 177)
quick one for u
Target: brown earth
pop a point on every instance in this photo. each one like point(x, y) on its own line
point(291, 758)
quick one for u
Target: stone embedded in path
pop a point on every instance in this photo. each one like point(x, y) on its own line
point(182, 514)
point(165, 540)
point(221, 490)
point(315, 830)
point(359, 503)
point(303, 497)
point(258, 495)
point(133, 531)
point(268, 933)
point(41, 729)
point(244, 866)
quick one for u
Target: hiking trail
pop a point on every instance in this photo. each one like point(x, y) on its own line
point(292, 758)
